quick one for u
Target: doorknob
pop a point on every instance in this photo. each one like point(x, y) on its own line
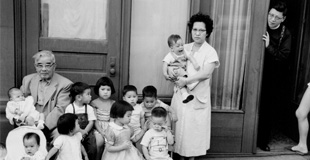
point(112, 66)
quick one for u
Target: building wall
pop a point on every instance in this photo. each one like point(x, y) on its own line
point(7, 70)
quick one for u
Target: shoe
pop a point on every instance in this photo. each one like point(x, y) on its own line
point(188, 99)
point(264, 148)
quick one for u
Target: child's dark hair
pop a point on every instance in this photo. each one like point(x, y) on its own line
point(78, 88)
point(280, 7)
point(66, 123)
point(149, 91)
point(119, 109)
point(159, 112)
point(173, 39)
point(11, 90)
point(128, 88)
point(104, 81)
point(32, 135)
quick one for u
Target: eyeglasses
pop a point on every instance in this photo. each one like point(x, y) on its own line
point(47, 66)
point(274, 16)
point(198, 30)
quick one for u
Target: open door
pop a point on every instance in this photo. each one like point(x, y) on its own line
point(86, 46)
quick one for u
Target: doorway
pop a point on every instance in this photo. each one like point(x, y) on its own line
point(285, 129)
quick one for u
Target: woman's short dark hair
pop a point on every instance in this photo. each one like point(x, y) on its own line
point(280, 7)
point(32, 135)
point(119, 109)
point(159, 112)
point(199, 17)
point(66, 123)
point(78, 88)
point(172, 39)
point(104, 81)
point(149, 91)
point(128, 88)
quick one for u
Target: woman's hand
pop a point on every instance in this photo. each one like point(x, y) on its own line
point(181, 82)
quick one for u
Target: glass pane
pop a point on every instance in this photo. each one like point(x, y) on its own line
point(151, 25)
point(230, 38)
point(78, 19)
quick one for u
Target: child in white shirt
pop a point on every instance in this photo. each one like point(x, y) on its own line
point(150, 101)
point(137, 120)
point(155, 141)
point(20, 110)
point(68, 143)
point(80, 98)
point(177, 59)
point(32, 144)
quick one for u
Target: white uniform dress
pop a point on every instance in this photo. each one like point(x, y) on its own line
point(193, 127)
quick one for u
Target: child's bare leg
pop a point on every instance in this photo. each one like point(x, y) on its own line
point(99, 144)
point(186, 97)
point(303, 125)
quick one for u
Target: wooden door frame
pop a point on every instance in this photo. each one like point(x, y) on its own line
point(253, 75)
point(20, 39)
point(125, 45)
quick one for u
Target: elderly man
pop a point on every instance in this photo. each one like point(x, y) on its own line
point(49, 90)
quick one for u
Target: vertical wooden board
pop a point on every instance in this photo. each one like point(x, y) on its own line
point(253, 75)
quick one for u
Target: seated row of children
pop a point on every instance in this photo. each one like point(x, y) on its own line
point(115, 124)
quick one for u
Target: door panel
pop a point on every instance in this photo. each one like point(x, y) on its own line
point(78, 59)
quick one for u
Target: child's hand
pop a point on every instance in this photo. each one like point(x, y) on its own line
point(146, 125)
point(173, 79)
point(127, 145)
point(18, 111)
point(167, 77)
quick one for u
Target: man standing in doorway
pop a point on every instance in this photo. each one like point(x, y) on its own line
point(275, 73)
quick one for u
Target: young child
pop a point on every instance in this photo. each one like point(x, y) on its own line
point(137, 120)
point(20, 110)
point(104, 88)
point(3, 151)
point(68, 143)
point(150, 101)
point(32, 143)
point(155, 141)
point(177, 59)
point(80, 98)
point(118, 144)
